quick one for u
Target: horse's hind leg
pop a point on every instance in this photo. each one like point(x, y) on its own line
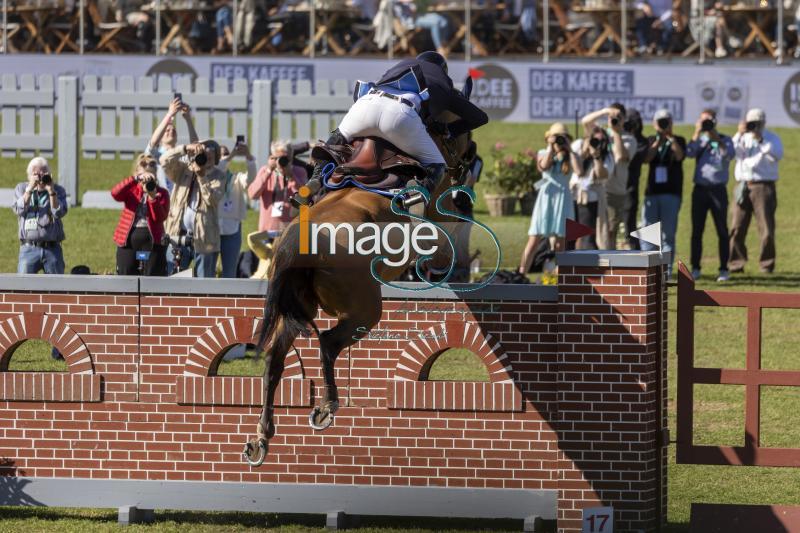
point(255, 451)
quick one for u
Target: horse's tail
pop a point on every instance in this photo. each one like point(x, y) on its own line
point(290, 293)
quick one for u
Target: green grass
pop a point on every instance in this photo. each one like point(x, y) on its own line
point(35, 356)
point(719, 342)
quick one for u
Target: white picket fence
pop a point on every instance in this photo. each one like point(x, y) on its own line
point(119, 115)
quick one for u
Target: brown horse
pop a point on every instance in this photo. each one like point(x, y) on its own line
point(341, 283)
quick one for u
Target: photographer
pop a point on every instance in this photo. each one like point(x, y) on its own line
point(553, 204)
point(713, 152)
point(165, 136)
point(662, 198)
point(588, 187)
point(634, 127)
point(40, 204)
point(623, 148)
point(275, 185)
point(758, 152)
point(194, 205)
point(141, 223)
point(234, 206)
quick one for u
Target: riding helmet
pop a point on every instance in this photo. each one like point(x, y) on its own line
point(433, 57)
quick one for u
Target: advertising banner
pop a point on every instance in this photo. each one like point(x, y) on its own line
point(515, 91)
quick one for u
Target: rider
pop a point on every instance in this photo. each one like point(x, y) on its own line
point(409, 96)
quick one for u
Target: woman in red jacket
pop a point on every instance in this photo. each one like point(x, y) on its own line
point(141, 224)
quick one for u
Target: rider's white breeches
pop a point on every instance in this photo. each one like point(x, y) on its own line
point(377, 116)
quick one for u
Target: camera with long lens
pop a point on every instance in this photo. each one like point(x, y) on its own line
point(150, 186)
point(663, 123)
point(707, 125)
point(46, 179)
point(201, 159)
point(178, 241)
point(283, 161)
point(752, 125)
point(562, 141)
point(614, 121)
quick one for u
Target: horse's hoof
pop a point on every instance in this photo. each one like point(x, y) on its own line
point(321, 418)
point(255, 451)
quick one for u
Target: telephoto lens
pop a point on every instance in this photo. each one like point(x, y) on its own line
point(283, 161)
point(663, 123)
point(751, 126)
point(201, 159)
point(150, 186)
point(707, 125)
point(46, 179)
point(614, 121)
point(594, 142)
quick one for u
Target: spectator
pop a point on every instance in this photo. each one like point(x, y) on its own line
point(234, 207)
point(553, 204)
point(634, 127)
point(758, 152)
point(440, 27)
point(194, 205)
point(662, 198)
point(622, 149)
point(224, 18)
point(40, 204)
point(588, 187)
point(141, 223)
point(710, 27)
point(245, 24)
point(656, 17)
point(713, 152)
point(275, 185)
point(165, 137)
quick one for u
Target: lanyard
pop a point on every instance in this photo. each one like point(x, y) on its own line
point(663, 151)
point(39, 199)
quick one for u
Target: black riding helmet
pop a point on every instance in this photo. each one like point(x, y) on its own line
point(434, 57)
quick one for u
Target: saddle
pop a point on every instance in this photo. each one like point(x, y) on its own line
point(370, 162)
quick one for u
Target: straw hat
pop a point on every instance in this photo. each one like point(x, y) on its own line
point(558, 128)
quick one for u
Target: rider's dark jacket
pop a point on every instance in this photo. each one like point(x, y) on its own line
point(443, 97)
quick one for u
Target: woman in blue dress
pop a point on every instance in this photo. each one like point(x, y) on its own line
point(553, 201)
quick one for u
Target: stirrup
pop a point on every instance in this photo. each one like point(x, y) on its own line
point(314, 185)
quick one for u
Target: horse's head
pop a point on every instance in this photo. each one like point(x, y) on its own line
point(458, 151)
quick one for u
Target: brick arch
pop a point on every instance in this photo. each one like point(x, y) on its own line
point(205, 355)
point(20, 328)
point(419, 354)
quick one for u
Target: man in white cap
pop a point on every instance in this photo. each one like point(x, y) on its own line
point(662, 198)
point(758, 152)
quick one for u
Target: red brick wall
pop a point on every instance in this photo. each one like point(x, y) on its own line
point(570, 403)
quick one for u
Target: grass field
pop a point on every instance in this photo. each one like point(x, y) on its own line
point(720, 342)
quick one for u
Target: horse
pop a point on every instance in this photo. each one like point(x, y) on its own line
point(300, 283)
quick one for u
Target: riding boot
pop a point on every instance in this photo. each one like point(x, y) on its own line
point(314, 184)
point(415, 203)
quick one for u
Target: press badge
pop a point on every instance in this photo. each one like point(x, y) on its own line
point(31, 224)
point(227, 206)
point(277, 209)
point(661, 174)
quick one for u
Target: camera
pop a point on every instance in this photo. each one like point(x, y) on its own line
point(614, 121)
point(663, 123)
point(707, 125)
point(150, 186)
point(752, 125)
point(178, 96)
point(46, 179)
point(177, 241)
point(597, 143)
point(561, 140)
point(201, 159)
point(283, 161)
point(240, 139)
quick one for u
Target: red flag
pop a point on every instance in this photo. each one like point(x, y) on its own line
point(576, 230)
point(475, 73)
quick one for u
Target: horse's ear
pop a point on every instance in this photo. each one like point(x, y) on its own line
point(467, 87)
